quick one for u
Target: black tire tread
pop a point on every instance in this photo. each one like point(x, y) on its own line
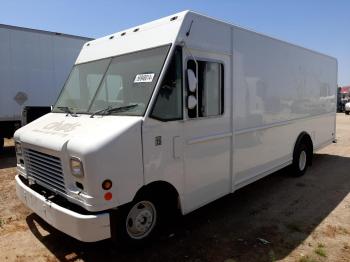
point(295, 165)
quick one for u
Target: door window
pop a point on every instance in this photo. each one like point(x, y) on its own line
point(168, 105)
point(210, 90)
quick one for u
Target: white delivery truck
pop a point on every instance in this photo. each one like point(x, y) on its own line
point(33, 67)
point(169, 115)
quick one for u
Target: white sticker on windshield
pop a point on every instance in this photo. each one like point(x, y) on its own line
point(144, 78)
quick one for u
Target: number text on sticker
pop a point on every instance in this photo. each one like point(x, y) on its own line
point(144, 78)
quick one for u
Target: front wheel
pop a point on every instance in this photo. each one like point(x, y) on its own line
point(141, 219)
point(137, 222)
point(301, 159)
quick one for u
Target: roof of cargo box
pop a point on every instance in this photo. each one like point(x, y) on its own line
point(167, 30)
point(25, 29)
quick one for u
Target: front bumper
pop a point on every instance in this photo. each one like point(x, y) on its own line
point(87, 228)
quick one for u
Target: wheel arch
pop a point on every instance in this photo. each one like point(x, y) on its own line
point(161, 189)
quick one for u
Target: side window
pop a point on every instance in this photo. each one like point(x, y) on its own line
point(168, 105)
point(210, 93)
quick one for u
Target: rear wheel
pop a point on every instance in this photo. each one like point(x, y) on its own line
point(301, 159)
point(347, 112)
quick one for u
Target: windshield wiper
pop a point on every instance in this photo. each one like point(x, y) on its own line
point(67, 110)
point(111, 109)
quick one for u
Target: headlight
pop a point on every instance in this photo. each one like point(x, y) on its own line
point(18, 148)
point(76, 167)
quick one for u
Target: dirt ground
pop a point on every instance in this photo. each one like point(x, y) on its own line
point(303, 219)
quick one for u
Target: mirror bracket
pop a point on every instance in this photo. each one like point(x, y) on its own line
point(191, 102)
point(192, 80)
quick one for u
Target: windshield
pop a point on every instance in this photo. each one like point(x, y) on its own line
point(113, 82)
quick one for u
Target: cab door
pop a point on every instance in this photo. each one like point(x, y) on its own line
point(207, 130)
point(162, 131)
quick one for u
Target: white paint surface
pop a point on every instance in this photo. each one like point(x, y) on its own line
point(273, 92)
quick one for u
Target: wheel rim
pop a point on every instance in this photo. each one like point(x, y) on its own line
point(141, 220)
point(302, 160)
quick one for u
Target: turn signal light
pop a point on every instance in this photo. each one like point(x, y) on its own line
point(108, 196)
point(107, 184)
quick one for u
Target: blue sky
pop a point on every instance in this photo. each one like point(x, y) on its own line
point(320, 25)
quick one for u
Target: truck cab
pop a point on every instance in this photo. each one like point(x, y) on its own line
point(114, 141)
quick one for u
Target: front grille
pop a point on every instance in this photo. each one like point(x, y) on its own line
point(45, 170)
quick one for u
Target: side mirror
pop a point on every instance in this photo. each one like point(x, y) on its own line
point(192, 80)
point(191, 102)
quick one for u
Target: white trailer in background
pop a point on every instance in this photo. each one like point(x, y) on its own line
point(33, 67)
point(170, 115)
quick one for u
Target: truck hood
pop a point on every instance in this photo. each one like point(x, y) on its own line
point(109, 147)
point(54, 130)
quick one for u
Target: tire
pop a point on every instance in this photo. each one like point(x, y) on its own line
point(301, 158)
point(137, 223)
point(347, 112)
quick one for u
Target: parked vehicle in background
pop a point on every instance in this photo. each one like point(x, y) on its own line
point(347, 108)
point(339, 105)
point(30, 113)
point(33, 67)
point(343, 97)
point(168, 116)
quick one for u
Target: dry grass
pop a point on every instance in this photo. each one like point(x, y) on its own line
point(320, 250)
